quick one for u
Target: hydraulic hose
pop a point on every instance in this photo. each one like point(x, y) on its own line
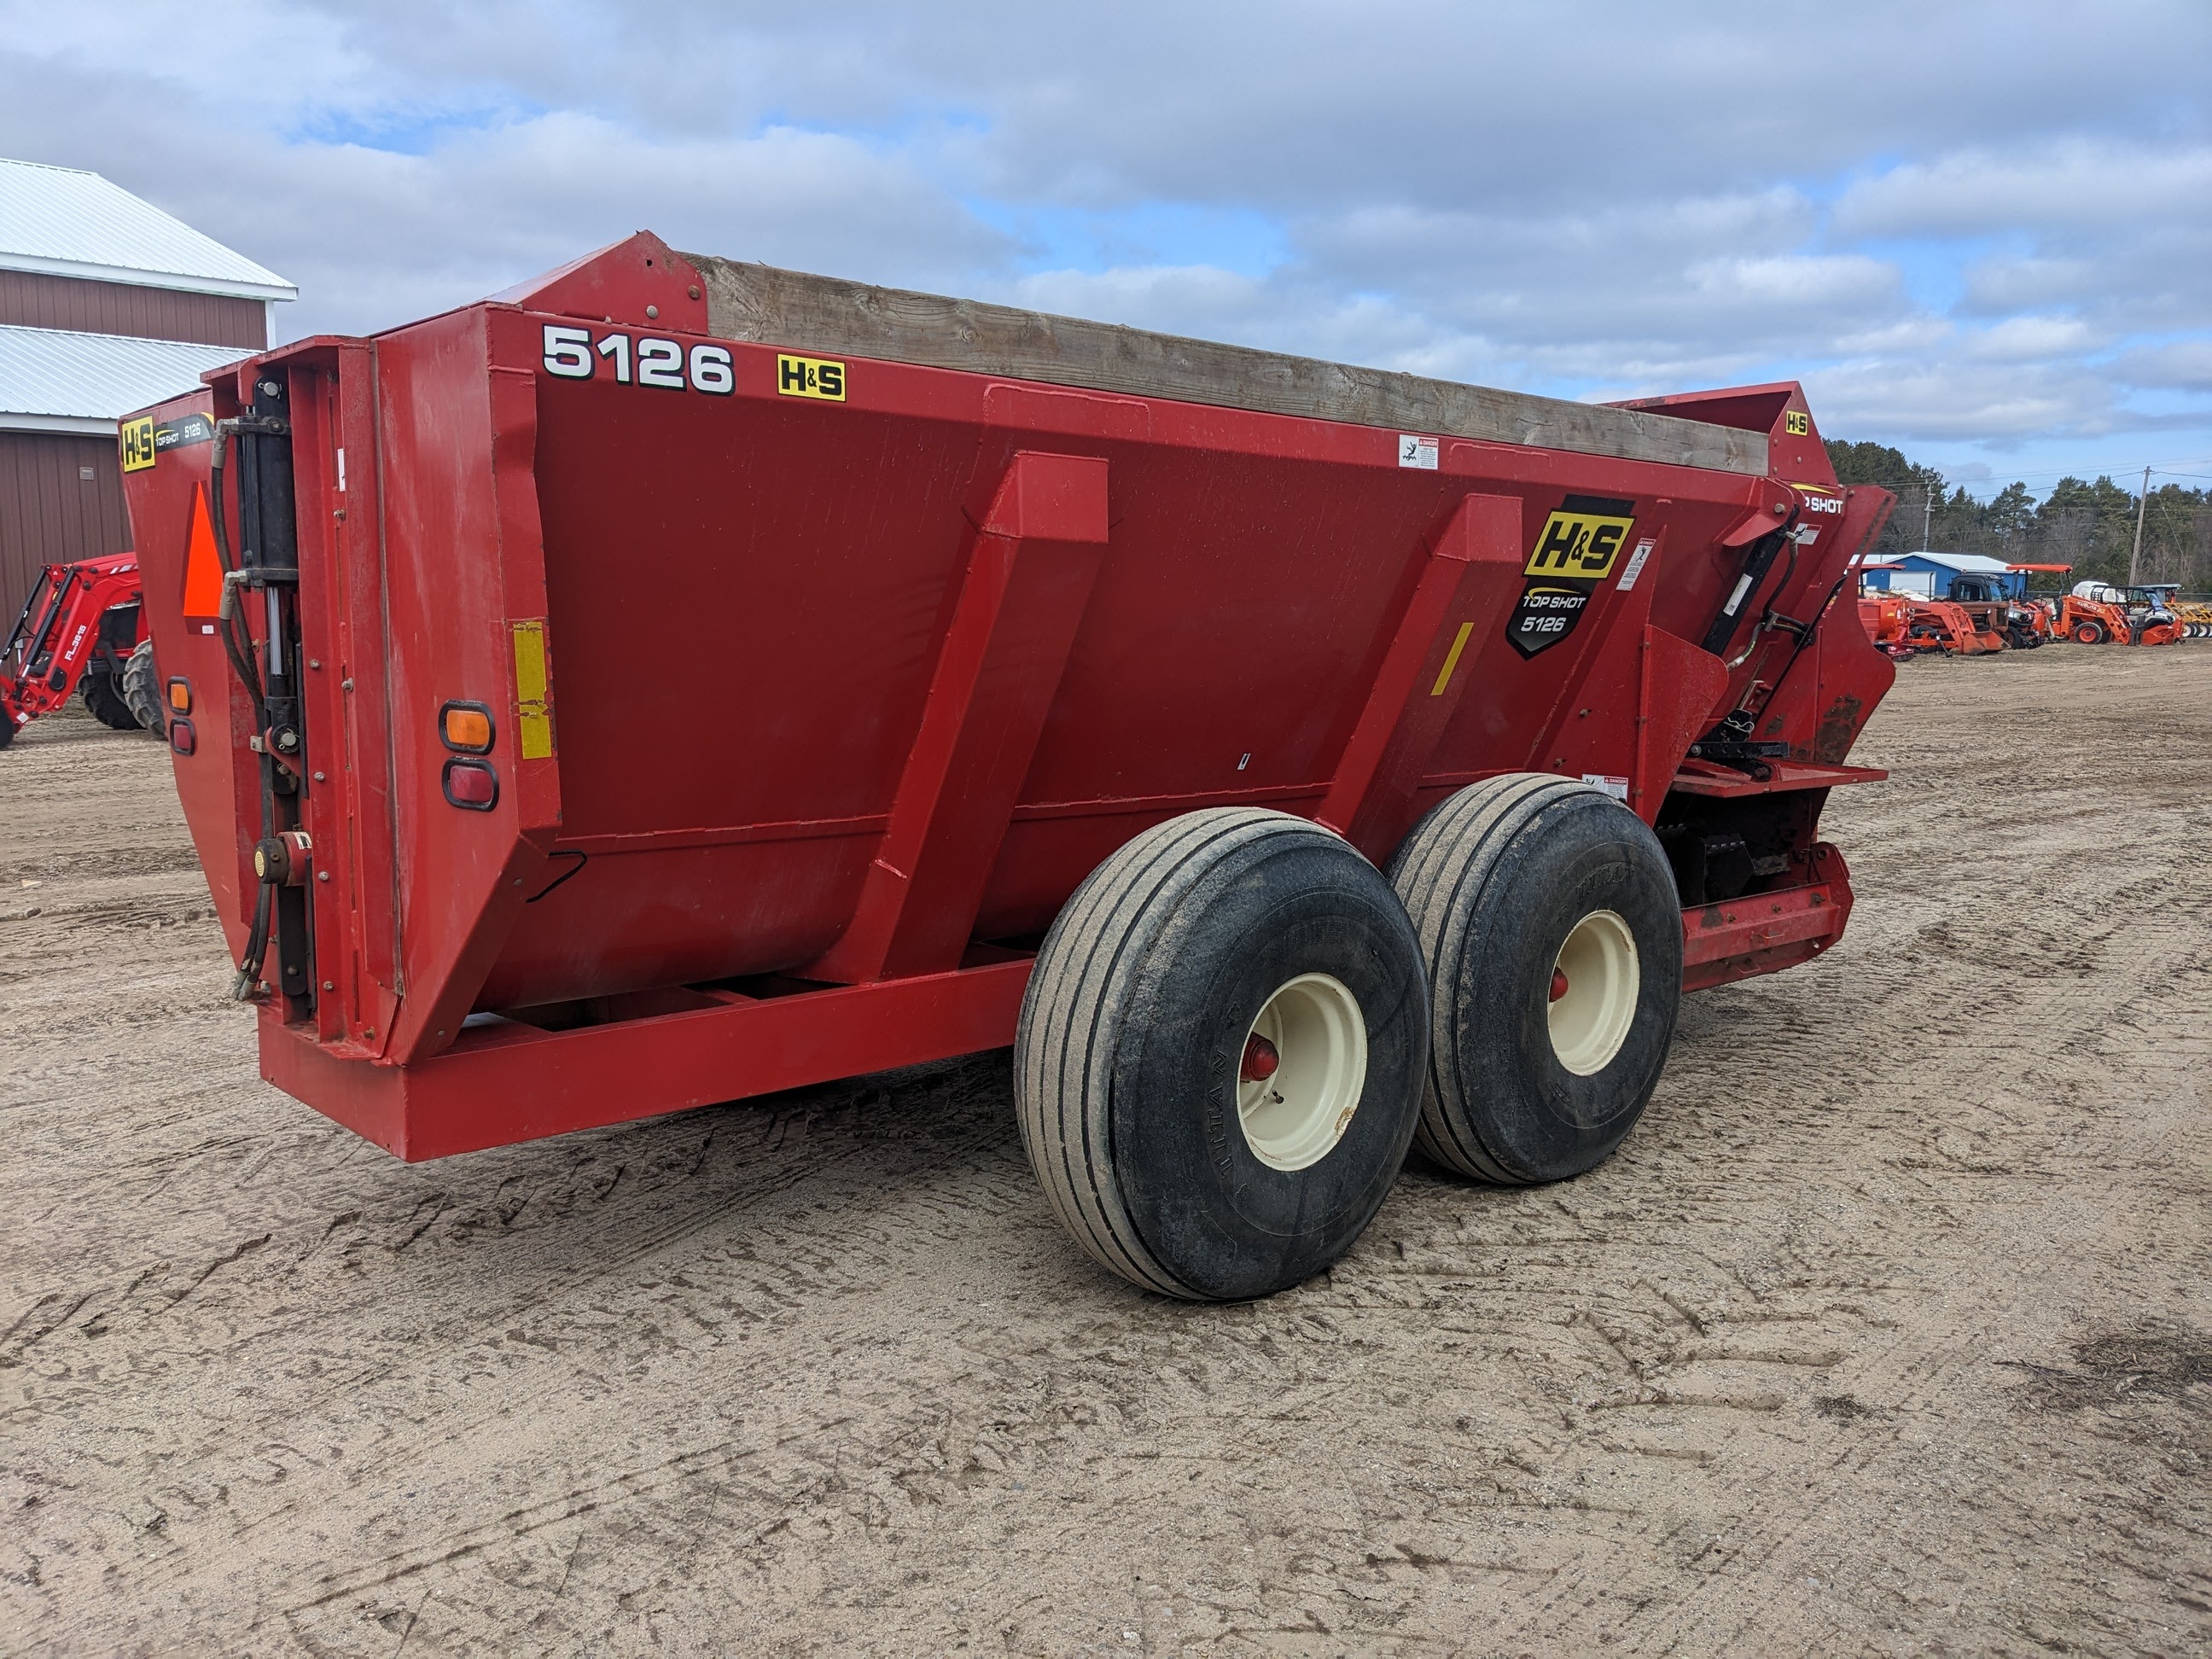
point(238, 646)
point(242, 988)
point(239, 650)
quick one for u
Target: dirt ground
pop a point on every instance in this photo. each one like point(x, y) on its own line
point(1890, 1330)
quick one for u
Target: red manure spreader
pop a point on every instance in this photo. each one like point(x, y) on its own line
point(1293, 763)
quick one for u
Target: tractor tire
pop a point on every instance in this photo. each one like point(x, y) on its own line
point(1552, 930)
point(1219, 1058)
point(105, 698)
point(2088, 633)
point(7, 729)
point(141, 688)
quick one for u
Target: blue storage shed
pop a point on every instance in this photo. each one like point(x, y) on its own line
point(1931, 575)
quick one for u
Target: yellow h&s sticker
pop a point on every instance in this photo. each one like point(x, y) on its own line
point(138, 444)
point(1583, 538)
point(1796, 423)
point(533, 717)
point(810, 377)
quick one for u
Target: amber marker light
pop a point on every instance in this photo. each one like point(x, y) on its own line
point(466, 727)
point(180, 697)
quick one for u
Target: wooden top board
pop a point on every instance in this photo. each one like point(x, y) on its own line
point(827, 314)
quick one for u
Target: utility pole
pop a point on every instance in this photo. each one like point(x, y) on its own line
point(1927, 516)
point(2135, 558)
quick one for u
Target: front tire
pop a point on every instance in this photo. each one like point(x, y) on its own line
point(1552, 931)
point(1220, 1059)
point(141, 688)
point(105, 699)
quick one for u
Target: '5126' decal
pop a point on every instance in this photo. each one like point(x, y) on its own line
point(572, 355)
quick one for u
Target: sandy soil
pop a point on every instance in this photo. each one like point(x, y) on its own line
point(1890, 1330)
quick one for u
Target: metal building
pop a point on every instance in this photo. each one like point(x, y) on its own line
point(1931, 575)
point(106, 304)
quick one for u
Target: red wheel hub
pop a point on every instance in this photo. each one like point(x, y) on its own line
point(1260, 1059)
point(1559, 984)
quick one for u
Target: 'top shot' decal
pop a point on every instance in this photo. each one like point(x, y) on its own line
point(1575, 551)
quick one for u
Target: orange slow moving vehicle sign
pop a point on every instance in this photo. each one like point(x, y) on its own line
point(202, 570)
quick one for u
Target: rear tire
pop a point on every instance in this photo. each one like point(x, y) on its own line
point(141, 688)
point(105, 698)
point(1163, 1156)
point(2088, 633)
point(1514, 885)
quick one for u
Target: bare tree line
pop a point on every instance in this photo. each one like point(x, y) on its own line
point(2090, 526)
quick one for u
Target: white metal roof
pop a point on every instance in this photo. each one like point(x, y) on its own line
point(67, 224)
point(52, 381)
point(1974, 561)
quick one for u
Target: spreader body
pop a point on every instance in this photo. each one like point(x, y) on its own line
point(674, 681)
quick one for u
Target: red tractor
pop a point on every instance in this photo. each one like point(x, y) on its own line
point(81, 626)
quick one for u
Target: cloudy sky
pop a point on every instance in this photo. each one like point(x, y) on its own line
point(1980, 232)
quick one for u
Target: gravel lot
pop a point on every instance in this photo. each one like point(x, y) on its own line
point(1889, 1331)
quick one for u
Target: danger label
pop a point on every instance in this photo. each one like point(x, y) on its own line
point(1583, 538)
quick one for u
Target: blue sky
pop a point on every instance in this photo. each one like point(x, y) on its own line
point(1980, 232)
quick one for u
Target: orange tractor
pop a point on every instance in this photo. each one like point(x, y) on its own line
point(2021, 624)
point(1905, 624)
point(2089, 621)
point(2097, 613)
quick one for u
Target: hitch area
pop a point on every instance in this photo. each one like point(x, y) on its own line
point(1724, 849)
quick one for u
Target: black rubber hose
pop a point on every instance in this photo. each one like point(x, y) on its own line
point(257, 946)
point(241, 652)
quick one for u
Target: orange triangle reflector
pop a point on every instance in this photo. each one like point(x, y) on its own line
point(203, 573)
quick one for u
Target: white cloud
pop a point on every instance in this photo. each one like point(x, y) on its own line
point(2031, 339)
point(2071, 184)
point(1948, 218)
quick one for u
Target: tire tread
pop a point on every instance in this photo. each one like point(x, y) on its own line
point(1455, 849)
point(1077, 998)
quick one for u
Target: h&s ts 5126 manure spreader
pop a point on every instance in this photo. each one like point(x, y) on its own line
point(675, 680)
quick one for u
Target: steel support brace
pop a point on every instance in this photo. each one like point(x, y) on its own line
point(1029, 579)
point(1466, 584)
point(504, 1082)
point(1765, 933)
point(1679, 688)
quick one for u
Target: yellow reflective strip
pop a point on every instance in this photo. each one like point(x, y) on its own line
point(533, 723)
point(1451, 660)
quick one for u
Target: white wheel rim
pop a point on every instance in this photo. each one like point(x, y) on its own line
point(1591, 1014)
point(1293, 1118)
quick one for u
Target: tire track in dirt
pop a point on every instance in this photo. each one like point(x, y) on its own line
point(1822, 1360)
